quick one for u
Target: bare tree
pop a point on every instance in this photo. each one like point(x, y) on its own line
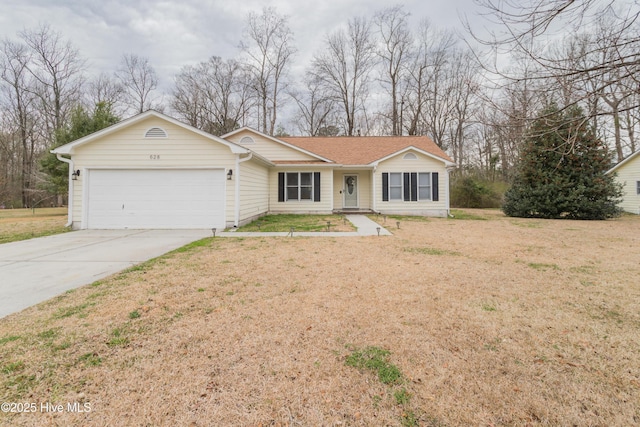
point(430, 56)
point(18, 104)
point(315, 107)
point(344, 67)
point(106, 89)
point(269, 49)
point(188, 99)
point(139, 80)
point(462, 88)
point(525, 22)
point(395, 50)
point(214, 95)
point(57, 69)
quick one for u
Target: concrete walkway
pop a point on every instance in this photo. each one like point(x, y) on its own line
point(364, 226)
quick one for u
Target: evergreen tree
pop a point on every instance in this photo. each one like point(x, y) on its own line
point(562, 171)
point(82, 123)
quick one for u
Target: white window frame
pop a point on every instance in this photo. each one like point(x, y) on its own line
point(421, 185)
point(299, 186)
point(401, 187)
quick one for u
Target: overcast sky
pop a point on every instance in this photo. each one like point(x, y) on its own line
point(184, 32)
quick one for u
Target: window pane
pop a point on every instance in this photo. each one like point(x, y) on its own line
point(305, 193)
point(292, 179)
point(292, 193)
point(305, 178)
point(424, 186)
point(395, 178)
point(395, 193)
point(424, 193)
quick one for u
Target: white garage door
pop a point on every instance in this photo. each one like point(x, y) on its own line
point(143, 199)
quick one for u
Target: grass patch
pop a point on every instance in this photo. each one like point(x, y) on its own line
point(12, 367)
point(90, 359)
point(9, 338)
point(527, 223)
point(16, 237)
point(402, 396)
point(32, 213)
point(489, 307)
point(460, 214)
point(377, 360)
point(48, 334)
point(118, 338)
point(284, 223)
point(543, 266)
point(431, 251)
point(70, 311)
point(389, 220)
point(191, 246)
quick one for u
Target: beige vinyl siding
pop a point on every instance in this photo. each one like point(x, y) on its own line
point(628, 175)
point(421, 164)
point(254, 191)
point(326, 197)
point(129, 149)
point(364, 188)
point(269, 149)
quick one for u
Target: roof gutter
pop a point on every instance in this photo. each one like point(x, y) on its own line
point(70, 201)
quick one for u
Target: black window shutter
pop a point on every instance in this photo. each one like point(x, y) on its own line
point(385, 186)
point(434, 186)
point(316, 186)
point(281, 186)
point(407, 187)
point(414, 186)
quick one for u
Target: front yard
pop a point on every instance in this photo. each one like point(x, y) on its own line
point(22, 224)
point(498, 321)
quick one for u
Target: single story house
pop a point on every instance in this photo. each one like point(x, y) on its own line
point(628, 174)
point(153, 171)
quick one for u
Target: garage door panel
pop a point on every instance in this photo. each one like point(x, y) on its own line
point(156, 199)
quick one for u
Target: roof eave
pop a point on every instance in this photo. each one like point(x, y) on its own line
point(447, 163)
point(70, 147)
point(278, 141)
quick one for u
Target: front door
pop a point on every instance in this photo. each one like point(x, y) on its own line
point(350, 191)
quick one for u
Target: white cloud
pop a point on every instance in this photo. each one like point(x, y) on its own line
point(173, 34)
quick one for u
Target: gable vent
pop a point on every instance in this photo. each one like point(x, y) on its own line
point(155, 133)
point(410, 156)
point(246, 140)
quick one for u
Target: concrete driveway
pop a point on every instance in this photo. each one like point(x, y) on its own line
point(35, 270)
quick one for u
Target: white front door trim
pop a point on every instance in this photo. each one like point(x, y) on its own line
point(350, 191)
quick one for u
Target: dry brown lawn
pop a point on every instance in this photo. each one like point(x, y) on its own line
point(21, 224)
point(495, 322)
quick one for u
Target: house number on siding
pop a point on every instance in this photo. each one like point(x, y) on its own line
point(154, 156)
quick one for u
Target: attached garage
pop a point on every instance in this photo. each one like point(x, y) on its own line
point(155, 198)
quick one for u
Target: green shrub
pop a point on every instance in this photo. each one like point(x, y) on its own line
point(473, 192)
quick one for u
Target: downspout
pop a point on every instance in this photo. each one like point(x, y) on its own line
point(448, 203)
point(70, 201)
point(236, 220)
point(373, 188)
